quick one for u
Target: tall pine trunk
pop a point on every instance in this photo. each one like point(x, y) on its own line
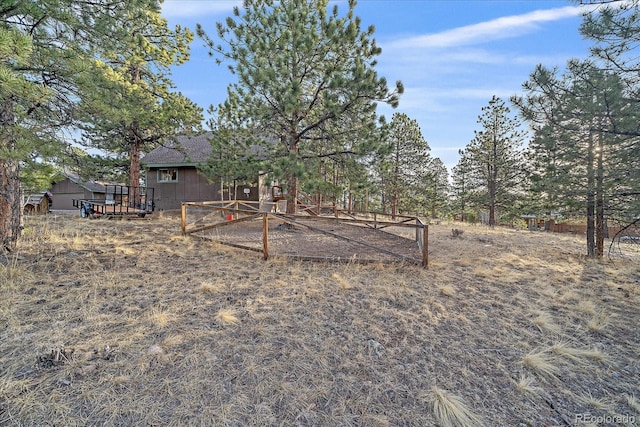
point(396, 182)
point(394, 205)
point(491, 187)
point(600, 223)
point(134, 160)
point(135, 148)
point(292, 179)
point(591, 246)
point(135, 143)
point(10, 203)
point(292, 193)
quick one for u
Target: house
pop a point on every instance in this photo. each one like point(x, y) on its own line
point(172, 171)
point(72, 187)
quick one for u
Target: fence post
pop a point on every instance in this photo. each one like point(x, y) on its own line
point(265, 236)
point(425, 245)
point(184, 219)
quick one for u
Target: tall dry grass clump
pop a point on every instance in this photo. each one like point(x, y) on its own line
point(578, 355)
point(633, 403)
point(527, 384)
point(447, 290)
point(599, 322)
point(541, 362)
point(344, 285)
point(13, 274)
point(451, 411)
point(545, 322)
point(227, 317)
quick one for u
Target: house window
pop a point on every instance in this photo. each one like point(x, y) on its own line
point(167, 175)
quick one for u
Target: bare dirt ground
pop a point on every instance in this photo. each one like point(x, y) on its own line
point(130, 323)
point(316, 238)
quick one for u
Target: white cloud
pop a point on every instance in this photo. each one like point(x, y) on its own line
point(197, 8)
point(500, 28)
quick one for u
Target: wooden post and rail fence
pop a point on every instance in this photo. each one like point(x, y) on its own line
point(236, 212)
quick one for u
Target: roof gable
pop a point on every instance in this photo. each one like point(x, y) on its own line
point(185, 150)
point(94, 187)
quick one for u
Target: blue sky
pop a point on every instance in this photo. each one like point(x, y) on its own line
point(451, 55)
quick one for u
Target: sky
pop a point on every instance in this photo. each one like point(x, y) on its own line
point(452, 56)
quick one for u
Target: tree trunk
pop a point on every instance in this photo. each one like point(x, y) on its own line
point(10, 205)
point(366, 201)
point(493, 173)
point(134, 162)
point(591, 247)
point(135, 144)
point(10, 200)
point(134, 166)
point(599, 252)
point(292, 193)
point(396, 182)
point(600, 224)
point(292, 179)
point(492, 201)
point(492, 215)
point(394, 205)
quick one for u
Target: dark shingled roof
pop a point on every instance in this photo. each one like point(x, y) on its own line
point(94, 187)
point(186, 150)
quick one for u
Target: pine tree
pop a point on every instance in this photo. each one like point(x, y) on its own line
point(463, 186)
point(437, 188)
point(578, 139)
point(17, 96)
point(546, 169)
point(615, 32)
point(404, 170)
point(57, 39)
point(129, 107)
point(495, 158)
point(305, 78)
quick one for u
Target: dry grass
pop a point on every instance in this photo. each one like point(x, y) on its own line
point(542, 363)
point(599, 322)
point(451, 411)
point(633, 403)
point(227, 317)
point(544, 322)
point(597, 403)
point(586, 307)
point(527, 384)
point(344, 285)
point(447, 290)
point(578, 355)
point(160, 329)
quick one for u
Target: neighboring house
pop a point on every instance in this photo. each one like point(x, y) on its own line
point(172, 172)
point(72, 187)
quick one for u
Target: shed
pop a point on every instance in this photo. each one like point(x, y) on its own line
point(37, 203)
point(73, 187)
